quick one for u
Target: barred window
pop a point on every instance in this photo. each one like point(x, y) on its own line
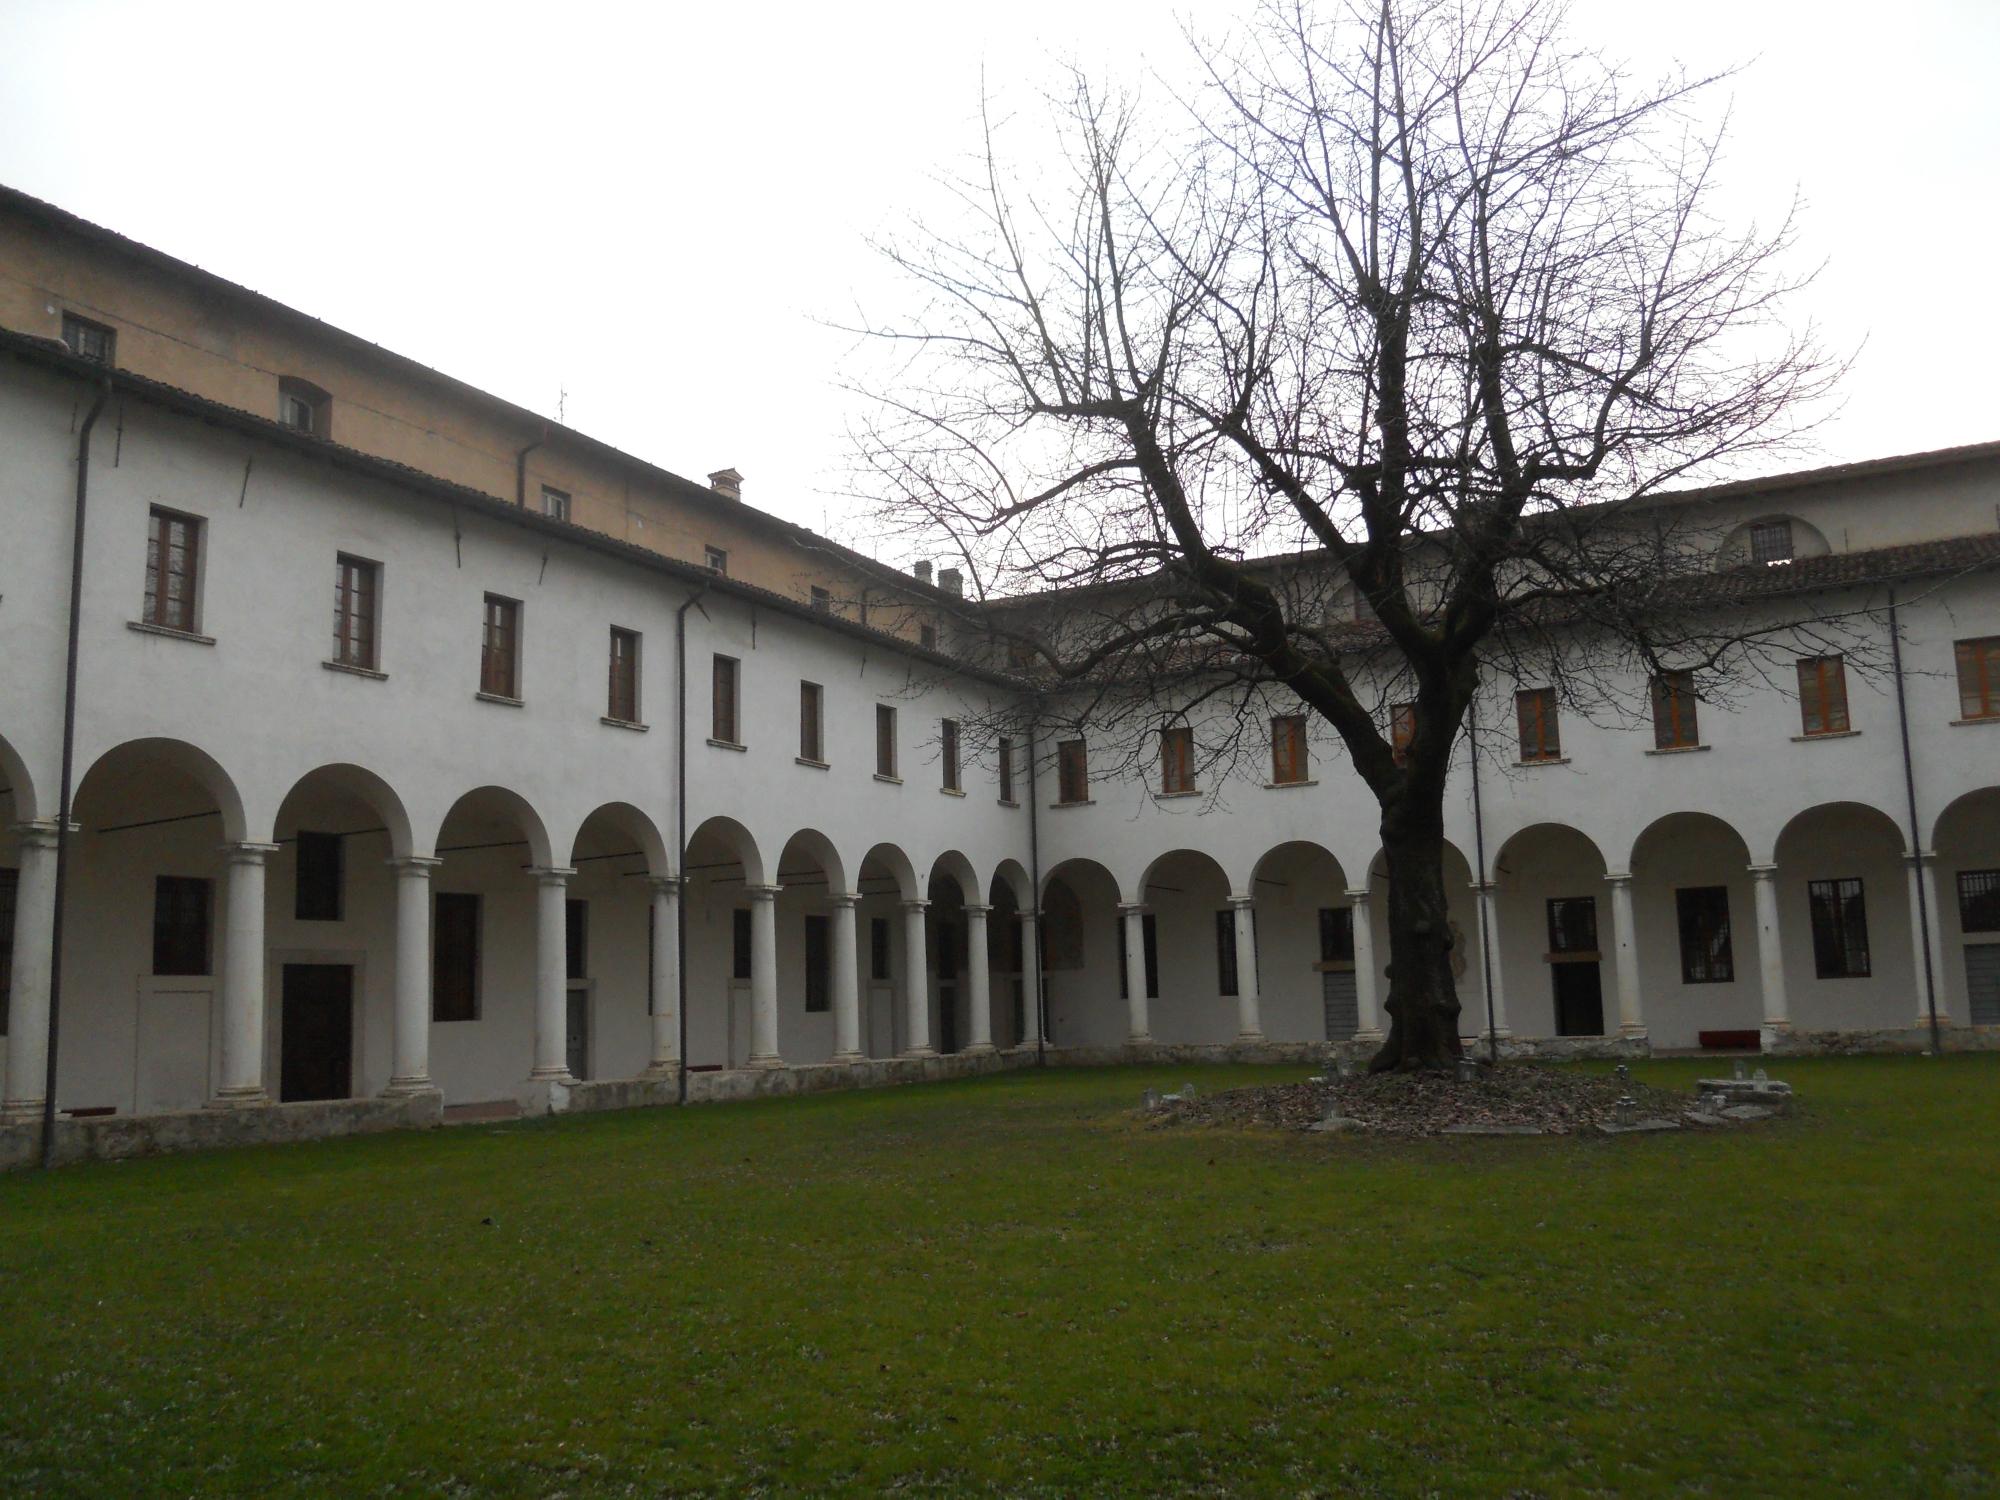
point(1979, 900)
point(1771, 541)
point(1706, 955)
point(1839, 929)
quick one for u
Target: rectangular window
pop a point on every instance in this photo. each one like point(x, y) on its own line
point(739, 943)
point(715, 560)
point(1072, 772)
point(500, 648)
point(1336, 934)
point(181, 925)
point(822, 600)
point(354, 616)
point(622, 694)
point(1706, 956)
point(1150, 941)
point(455, 957)
point(1573, 924)
point(1225, 952)
point(1979, 900)
point(1979, 678)
point(722, 701)
point(555, 503)
point(316, 894)
point(927, 637)
point(1288, 749)
point(1674, 724)
point(811, 739)
point(1771, 541)
point(304, 407)
point(1177, 763)
point(948, 753)
point(1536, 710)
point(819, 966)
point(878, 948)
point(1006, 769)
point(173, 561)
point(885, 740)
point(947, 950)
point(9, 884)
point(1839, 928)
point(88, 340)
point(576, 939)
point(1823, 695)
point(1402, 729)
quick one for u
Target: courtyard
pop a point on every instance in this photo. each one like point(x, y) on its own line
point(1015, 1285)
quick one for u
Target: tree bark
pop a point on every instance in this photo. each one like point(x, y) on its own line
point(1423, 994)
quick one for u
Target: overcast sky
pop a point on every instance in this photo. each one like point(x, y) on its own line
point(648, 206)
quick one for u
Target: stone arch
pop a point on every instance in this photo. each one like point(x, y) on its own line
point(888, 862)
point(729, 839)
point(1157, 869)
point(1552, 908)
point(1865, 814)
point(1965, 839)
point(120, 762)
point(956, 868)
point(14, 778)
point(1294, 852)
point(1011, 874)
point(1845, 923)
point(1980, 807)
point(1707, 984)
point(507, 804)
point(636, 826)
point(1081, 944)
point(364, 786)
point(816, 845)
point(1302, 999)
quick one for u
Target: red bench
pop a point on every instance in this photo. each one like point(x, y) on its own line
point(1730, 1041)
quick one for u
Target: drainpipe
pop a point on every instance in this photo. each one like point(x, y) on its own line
point(521, 469)
point(1479, 853)
point(680, 815)
point(1916, 829)
point(68, 768)
point(1035, 896)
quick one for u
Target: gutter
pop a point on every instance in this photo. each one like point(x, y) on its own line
point(692, 601)
point(67, 795)
point(1479, 853)
point(521, 469)
point(1916, 828)
point(1035, 896)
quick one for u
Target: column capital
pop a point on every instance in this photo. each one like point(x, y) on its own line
point(416, 865)
point(978, 909)
point(1027, 914)
point(40, 834)
point(848, 899)
point(1358, 896)
point(1133, 908)
point(914, 905)
point(763, 892)
point(1242, 903)
point(1920, 857)
point(1762, 872)
point(666, 885)
point(555, 875)
point(1617, 877)
point(1484, 887)
point(248, 852)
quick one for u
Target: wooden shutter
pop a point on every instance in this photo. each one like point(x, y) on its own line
point(623, 694)
point(723, 712)
point(1072, 772)
point(1823, 695)
point(1536, 708)
point(885, 740)
point(948, 736)
point(1177, 759)
point(810, 736)
point(1979, 677)
point(499, 658)
point(1402, 730)
point(1674, 724)
point(1006, 769)
point(1288, 748)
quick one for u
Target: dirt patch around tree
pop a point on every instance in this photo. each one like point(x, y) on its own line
point(1508, 1099)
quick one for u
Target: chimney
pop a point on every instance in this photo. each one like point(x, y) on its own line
point(727, 483)
point(952, 582)
point(922, 571)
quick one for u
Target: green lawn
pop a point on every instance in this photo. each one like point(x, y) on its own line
point(1006, 1285)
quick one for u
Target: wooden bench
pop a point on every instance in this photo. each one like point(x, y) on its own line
point(1730, 1041)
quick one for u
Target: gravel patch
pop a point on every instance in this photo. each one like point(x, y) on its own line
point(1512, 1098)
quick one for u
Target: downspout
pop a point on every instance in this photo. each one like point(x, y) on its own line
point(521, 469)
point(1479, 853)
point(1035, 895)
point(68, 770)
point(680, 821)
point(1916, 831)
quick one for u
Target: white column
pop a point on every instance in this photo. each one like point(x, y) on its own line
point(666, 974)
point(1367, 1004)
point(28, 1005)
point(1770, 948)
point(551, 974)
point(916, 985)
point(978, 981)
point(1249, 1021)
point(1139, 1026)
point(242, 1081)
point(846, 996)
point(1031, 981)
point(764, 977)
point(1489, 938)
point(410, 1071)
point(1625, 954)
point(1924, 868)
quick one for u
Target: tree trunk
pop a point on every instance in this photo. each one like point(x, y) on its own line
point(1423, 995)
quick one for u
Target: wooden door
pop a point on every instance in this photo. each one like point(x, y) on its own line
point(1982, 983)
point(316, 1058)
point(1574, 966)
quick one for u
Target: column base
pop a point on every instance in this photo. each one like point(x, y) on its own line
point(550, 1075)
point(252, 1097)
point(407, 1088)
point(1633, 1033)
point(21, 1112)
point(765, 1060)
point(1248, 1037)
point(980, 1049)
point(918, 1052)
point(850, 1059)
point(1370, 1038)
point(1139, 1039)
point(662, 1068)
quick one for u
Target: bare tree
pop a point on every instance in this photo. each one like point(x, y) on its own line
point(1363, 367)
